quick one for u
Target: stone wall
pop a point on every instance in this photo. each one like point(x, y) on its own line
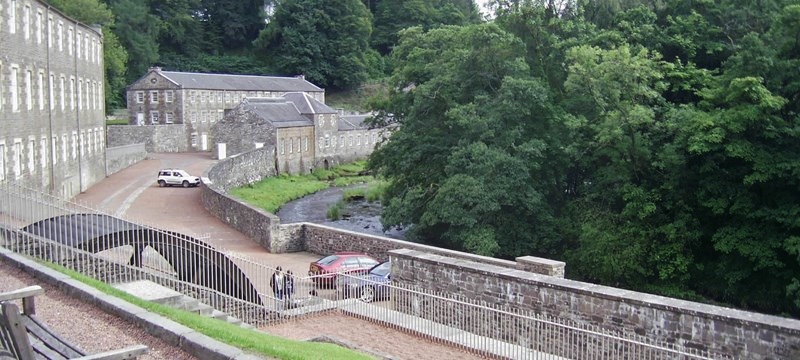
point(246, 168)
point(157, 139)
point(121, 157)
point(242, 169)
point(740, 334)
point(324, 240)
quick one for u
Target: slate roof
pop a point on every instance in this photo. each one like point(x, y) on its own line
point(239, 82)
point(306, 104)
point(279, 111)
point(353, 122)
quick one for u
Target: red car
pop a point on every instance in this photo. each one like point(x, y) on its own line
point(325, 269)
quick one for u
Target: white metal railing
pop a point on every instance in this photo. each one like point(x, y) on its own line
point(117, 251)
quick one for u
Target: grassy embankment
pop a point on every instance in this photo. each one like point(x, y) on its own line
point(248, 340)
point(271, 193)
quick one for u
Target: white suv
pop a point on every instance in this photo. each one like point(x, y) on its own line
point(169, 177)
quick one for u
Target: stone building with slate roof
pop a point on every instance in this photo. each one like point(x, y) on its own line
point(302, 131)
point(199, 100)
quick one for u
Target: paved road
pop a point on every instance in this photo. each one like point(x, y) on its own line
point(134, 195)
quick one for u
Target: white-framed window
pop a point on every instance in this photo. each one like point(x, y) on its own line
point(16, 153)
point(193, 117)
point(227, 97)
point(54, 149)
point(139, 97)
point(52, 91)
point(327, 141)
point(63, 88)
point(350, 140)
point(321, 142)
point(74, 145)
point(86, 46)
point(219, 96)
point(12, 17)
point(43, 152)
point(39, 26)
point(72, 93)
point(2, 160)
point(203, 116)
point(154, 96)
point(60, 36)
point(89, 140)
point(82, 142)
point(358, 140)
point(80, 94)
point(29, 89)
point(341, 140)
point(50, 31)
point(192, 95)
point(283, 146)
point(26, 21)
point(305, 143)
point(333, 141)
point(40, 90)
point(70, 39)
point(203, 96)
point(298, 144)
point(194, 140)
point(31, 155)
point(64, 144)
point(291, 145)
point(169, 96)
point(168, 117)
point(154, 117)
point(13, 88)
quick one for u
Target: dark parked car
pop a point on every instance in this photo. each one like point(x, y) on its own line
point(325, 270)
point(370, 287)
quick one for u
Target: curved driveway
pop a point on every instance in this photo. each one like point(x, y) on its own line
point(133, 194)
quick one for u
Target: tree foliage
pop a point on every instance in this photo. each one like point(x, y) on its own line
point(651, 145)
point(323, 40)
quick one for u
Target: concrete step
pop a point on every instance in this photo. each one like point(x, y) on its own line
point(148, 290)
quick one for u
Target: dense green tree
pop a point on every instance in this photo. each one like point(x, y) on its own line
point(323, 40)
point(137, 31)
point(235, 22)
point(468, 161)
point(391, 16)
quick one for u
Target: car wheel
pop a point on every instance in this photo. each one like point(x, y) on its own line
point(185, 184)
point(162, 183)
point(367, 294)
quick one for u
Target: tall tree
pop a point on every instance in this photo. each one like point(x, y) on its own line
point(137, 31)
point(325, 41)
point(235, 22)
point(391, 16)
point(467, 163)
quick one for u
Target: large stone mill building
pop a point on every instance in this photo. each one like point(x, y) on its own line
point(198, 100)
point(52, 116)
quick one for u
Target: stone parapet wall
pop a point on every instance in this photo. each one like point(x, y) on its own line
point(541, 266)
point(121, 157)
point(157, 139)
point(740, 334)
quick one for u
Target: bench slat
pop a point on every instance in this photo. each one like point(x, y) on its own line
point(48, 343)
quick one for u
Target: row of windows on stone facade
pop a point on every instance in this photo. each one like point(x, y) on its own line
point(23, 93)
point(21, 12)
point(326, 142)
point(210, 116)
point(155, 96)
point(18, 154)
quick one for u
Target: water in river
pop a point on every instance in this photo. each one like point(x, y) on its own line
point(362, 216)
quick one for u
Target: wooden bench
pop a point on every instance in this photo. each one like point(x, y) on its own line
point(24, 337)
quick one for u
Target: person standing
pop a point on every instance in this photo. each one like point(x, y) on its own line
point(278, 284)
point(288, 289)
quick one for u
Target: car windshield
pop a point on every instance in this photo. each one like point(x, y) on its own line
point(327, 260)
point(381, 269)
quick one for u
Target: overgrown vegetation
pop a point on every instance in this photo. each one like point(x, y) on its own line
point(247, 340)
point(271, 193)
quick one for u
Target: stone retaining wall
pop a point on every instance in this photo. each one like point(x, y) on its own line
point(121, 157)
point(157, 139)
point(741, 334)
point(245, 168)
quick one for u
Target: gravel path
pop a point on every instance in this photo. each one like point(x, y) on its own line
point(89, 328)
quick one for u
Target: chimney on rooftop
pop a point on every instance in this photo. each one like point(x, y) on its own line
point(155, 68)
point(301, 77)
